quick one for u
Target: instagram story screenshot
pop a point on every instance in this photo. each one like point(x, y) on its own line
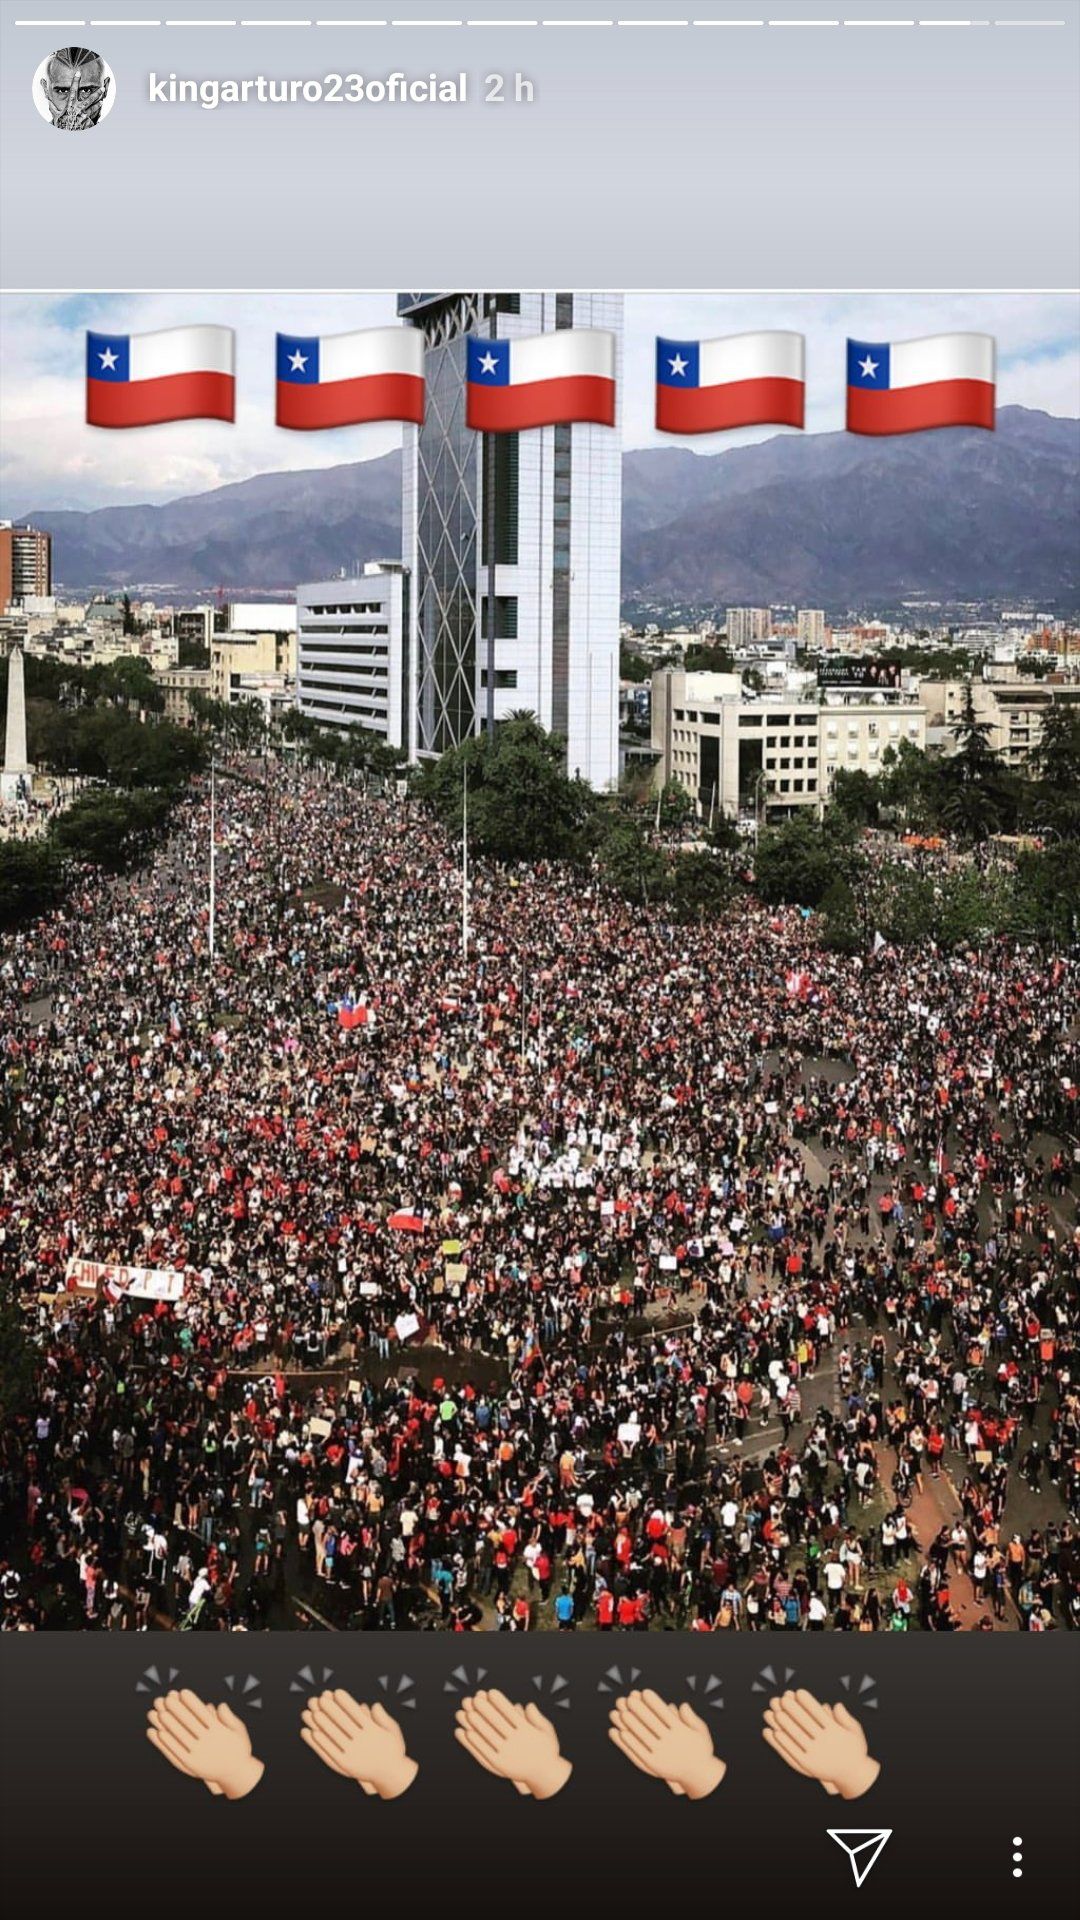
point(540, 953)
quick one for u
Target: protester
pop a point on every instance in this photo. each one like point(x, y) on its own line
point(598, 1280)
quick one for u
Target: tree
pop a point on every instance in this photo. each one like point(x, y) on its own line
point(636, 788)
point(1047, 894)
point(676, 806)
point(841, 929)
point(708, 657)
point(112, 830)
point(724, 836)
point(970, 907)
point(907, 774)
point(901, 904)
point(128, 682)
point(632, 665)
point(975, 797)
point(208, 713)
point(857, 794)
point(629, 862)
point(798, 862)
point(1055, 796)
point(522, 803)
point(31, 880)
point(18, 1364)
point(700, 887)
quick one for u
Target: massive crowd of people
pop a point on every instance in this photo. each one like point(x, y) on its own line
point(618, 1274)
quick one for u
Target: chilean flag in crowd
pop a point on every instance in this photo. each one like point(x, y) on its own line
point(943, 380)
point(541, 380)
point(343, 379)
point(740, 380)
point(143, 379)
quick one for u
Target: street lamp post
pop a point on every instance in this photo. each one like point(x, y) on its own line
point(465, 864)
point(760, 784)
point(213, 860)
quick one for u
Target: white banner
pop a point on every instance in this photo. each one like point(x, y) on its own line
point(137, 1283)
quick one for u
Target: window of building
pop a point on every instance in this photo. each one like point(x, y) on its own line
point(506, 616)
point(501, 463)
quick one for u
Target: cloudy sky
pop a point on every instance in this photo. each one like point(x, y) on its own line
point(50, 458)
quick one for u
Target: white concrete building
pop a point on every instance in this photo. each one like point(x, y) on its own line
point(558, 505)
point(774, 754)
point(1012, 711)
point(352, 656)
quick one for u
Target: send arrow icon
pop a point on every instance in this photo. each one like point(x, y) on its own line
point(862, 1846)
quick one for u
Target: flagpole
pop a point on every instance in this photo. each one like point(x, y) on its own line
point(213, 862)
point(489, 521)
point(465, 863)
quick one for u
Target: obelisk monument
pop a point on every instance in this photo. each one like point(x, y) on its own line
point(15, 780)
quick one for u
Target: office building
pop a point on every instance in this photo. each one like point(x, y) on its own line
point(1011, 711)
point(234, 654)
point(25, 565)
point(774, 755)
point(195, 626)
point(352, 650)
point(178, 684)
point(556, 498)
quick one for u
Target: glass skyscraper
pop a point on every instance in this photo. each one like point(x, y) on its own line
point(556, 528)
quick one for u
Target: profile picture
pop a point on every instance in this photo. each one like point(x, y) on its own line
point(74, 89)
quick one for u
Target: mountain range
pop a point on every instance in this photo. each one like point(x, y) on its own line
point(833, 520)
